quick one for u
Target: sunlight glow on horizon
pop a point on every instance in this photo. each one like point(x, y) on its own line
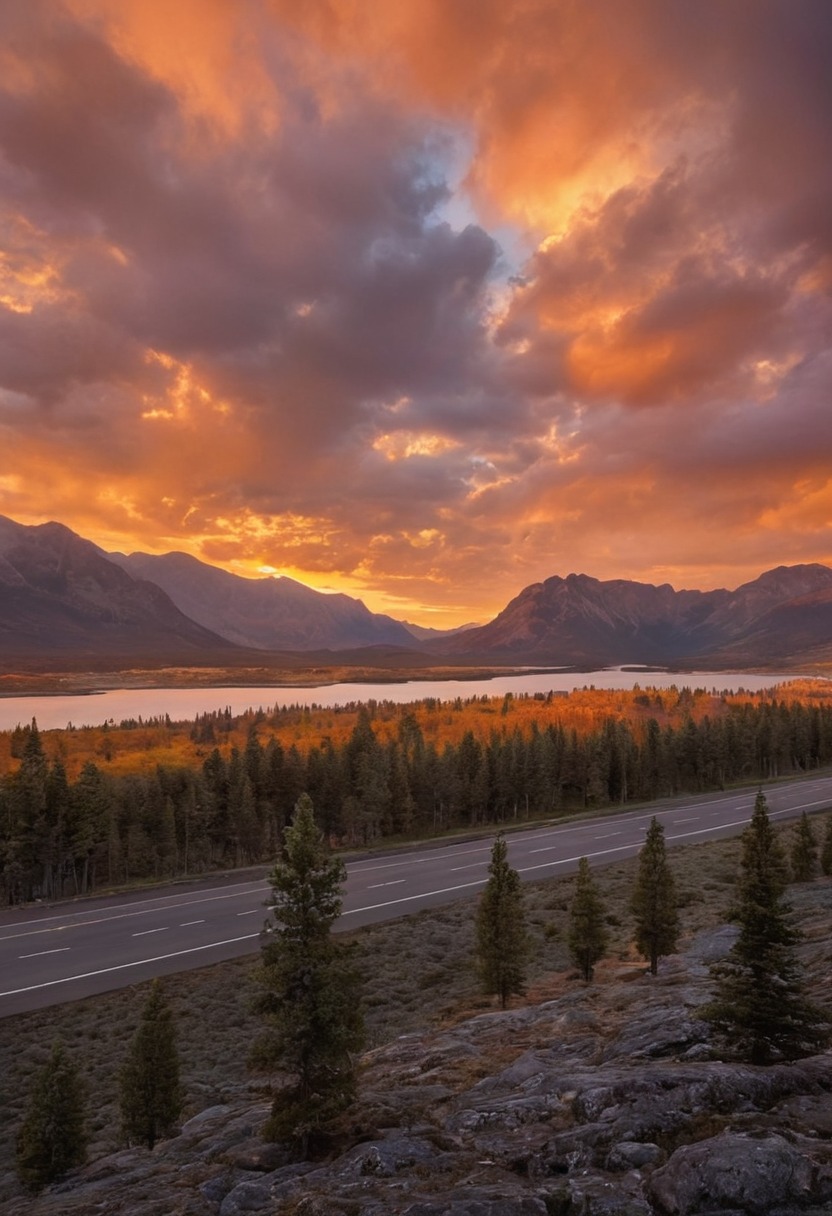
point(419, 308)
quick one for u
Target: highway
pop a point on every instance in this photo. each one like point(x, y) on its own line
point(78, 948)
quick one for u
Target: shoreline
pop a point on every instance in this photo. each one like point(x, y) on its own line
point(90, 684)
point(96, 683)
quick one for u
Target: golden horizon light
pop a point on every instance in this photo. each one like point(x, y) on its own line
point(420, 302)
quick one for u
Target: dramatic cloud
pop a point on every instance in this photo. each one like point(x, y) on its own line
point(423, 300)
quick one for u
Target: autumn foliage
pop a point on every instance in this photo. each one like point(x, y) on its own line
point(85, 807)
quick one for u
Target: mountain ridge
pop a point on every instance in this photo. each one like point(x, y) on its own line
point(582, 619)
point(61, 596)
point(267, 613)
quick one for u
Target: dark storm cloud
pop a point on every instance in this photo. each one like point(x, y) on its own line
point(233, 246)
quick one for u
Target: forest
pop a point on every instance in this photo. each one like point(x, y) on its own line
point(83, 809)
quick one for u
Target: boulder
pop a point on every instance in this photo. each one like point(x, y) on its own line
point(632, 1155)
point(752, 1174)
point(385, 1158)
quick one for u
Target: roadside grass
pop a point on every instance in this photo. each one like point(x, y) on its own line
point(420, 973)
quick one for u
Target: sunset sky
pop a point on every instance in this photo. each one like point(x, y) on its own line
point(421, 300)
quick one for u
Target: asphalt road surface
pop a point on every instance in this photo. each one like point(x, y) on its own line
point(75, 949)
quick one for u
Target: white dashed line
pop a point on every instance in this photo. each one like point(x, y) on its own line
point(142, 962)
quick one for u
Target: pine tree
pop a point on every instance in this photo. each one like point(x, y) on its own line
point(654, 900)
point(587, 934)
point(151, 1095)
point(309, 989)
point(826, 850)
point(804, 854)
point(759, 1011)
point(52, 1138)
point(502, 940)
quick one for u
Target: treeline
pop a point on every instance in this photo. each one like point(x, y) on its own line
point(386, 778)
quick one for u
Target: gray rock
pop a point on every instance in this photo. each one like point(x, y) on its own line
point(478, 1202)
point(211, 1115)
point(749, 1173)
point(709, 947)
point(599, 1196)
point(632, 1155)
point(385, 1158)
point(659, 1032)
point(215, 1189)
point(258, 1156)
point(247, 1197)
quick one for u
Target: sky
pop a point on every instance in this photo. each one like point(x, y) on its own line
point(421, 300)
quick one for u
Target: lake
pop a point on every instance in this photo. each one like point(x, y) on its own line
point(184, 704)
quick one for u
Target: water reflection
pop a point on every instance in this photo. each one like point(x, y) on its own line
point(186, 703)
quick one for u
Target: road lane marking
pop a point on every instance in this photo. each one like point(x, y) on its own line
point(393, 882)
point(118, 914)
point(608, 836)
point(251, 912)
point(721, 827)
point(480, 882)
point(142, 962)
point(361, 867)
point(144, 932)
point(448, 851)
point(472, 865)
point(556, 830)
point(184, 924)
point(633, 819)
point(622, 848)
point(693, 819)
point(40, 953)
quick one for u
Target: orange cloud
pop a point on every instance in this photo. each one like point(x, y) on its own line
point(378, 294)
point(205, 51)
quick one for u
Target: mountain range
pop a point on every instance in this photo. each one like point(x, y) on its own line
point(264, 613)
point(65, 602)
point(784, 616)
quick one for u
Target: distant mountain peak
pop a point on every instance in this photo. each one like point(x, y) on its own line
point(582, 620)
point(266, 613)
point(60, 594)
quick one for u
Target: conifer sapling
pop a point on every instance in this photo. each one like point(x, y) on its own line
point(151, 1095)
point(759, 1011)
point(502, 939)
point(587, 931)
point(309, 989)
point(654, 899)
point(52, 1138)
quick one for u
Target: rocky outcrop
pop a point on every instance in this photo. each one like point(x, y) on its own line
point(751, 1173)
point(603, 1102)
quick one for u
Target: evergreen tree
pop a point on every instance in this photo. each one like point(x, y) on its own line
point(309, 989)
point(502, 940)
point(654, 899)
point(804, 854)
point(52, 1138)
point(759, 1010)
point(151, 1095)
point(826, 850)
point(587, 933)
